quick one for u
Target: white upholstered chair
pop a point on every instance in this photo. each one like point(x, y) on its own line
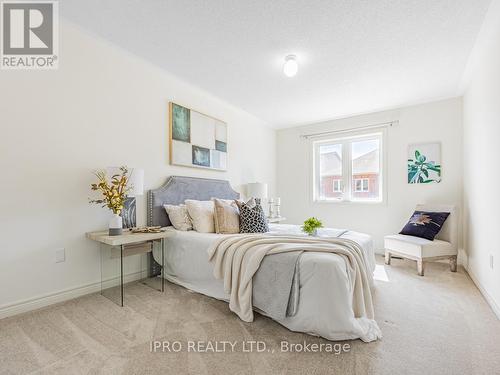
point(444, 246)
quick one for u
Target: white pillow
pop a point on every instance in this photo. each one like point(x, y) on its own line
point(178, 216)
point(202, 215)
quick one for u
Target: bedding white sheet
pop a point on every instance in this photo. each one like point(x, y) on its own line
point(325, 306)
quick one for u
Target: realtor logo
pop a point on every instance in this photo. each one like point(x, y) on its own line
point(30, 33)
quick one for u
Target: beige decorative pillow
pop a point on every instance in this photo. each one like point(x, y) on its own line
point(201, 214)
point(178, 216)
point(226, 216)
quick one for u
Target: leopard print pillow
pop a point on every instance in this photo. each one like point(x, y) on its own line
point(252, 219)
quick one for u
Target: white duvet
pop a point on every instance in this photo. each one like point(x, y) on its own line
point(325, 306)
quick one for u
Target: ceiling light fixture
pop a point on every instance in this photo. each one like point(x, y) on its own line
point(291, 66)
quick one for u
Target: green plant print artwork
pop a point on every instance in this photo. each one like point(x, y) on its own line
point(422, 168)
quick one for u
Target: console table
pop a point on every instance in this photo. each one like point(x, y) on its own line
point(114, 250)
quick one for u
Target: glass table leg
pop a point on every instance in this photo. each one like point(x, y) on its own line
point(101, 253)
point(112, 267)
point(115, 260)
point(121, 274)
point(154, 275)
point(162, 274)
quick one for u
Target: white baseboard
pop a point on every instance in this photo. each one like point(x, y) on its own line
point(489, 299)
point(463, 258)
point(47, 299)
point(61, 296)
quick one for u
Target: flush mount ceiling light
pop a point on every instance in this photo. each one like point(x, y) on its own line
point(291, 66)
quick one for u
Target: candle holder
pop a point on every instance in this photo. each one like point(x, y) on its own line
point(277, 204)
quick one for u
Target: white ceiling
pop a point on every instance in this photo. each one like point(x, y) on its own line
point(355, 56)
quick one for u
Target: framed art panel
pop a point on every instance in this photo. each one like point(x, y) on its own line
point(196, 140)
point(424, 163)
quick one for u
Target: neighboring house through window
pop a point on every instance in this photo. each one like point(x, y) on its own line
point(349, 167)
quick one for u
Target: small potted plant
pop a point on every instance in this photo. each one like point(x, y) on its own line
point(114, 192)
point(311, 226)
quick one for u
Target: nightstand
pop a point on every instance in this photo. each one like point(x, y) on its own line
point(276, 219)
point(124, 259)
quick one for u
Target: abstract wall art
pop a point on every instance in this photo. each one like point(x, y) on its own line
point(196, 139)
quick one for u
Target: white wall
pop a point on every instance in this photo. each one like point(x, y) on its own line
point(482, 157)
point(103, 107)
point(438, 121)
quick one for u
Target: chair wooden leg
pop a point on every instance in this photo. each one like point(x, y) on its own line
point(420, 267)
point(387, 258)
point(453, 263)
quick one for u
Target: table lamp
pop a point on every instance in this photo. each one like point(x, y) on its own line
point(257, 190)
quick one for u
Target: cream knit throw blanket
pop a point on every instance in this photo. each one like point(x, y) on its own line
point(237, 258)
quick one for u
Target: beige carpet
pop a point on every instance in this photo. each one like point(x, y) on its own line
point(437, 324)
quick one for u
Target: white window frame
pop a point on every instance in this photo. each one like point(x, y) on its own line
point(345, 139)
point(362, 179)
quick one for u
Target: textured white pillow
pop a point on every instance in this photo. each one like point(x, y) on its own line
point(202, 215)
point(226, 216)
point(178, 216)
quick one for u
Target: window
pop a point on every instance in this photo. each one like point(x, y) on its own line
point(337, 186)
point(349, 168)
point(361, 185)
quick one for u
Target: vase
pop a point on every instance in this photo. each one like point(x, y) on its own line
point(314, 233)
point(115, 225)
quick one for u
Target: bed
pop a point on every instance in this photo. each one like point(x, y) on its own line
point(325, 305)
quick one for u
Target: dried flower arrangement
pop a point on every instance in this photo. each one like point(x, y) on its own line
point(114, 191)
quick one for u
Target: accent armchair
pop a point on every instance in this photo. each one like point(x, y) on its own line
point(444, 246)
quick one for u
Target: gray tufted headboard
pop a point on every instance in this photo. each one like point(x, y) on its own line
point(178, 188)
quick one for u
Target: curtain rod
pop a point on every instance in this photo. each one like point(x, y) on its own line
point(373, 126)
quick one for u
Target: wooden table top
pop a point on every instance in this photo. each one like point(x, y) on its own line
point(127, 237)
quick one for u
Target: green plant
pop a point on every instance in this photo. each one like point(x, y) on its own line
point(418, 169)
point(311, 224)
